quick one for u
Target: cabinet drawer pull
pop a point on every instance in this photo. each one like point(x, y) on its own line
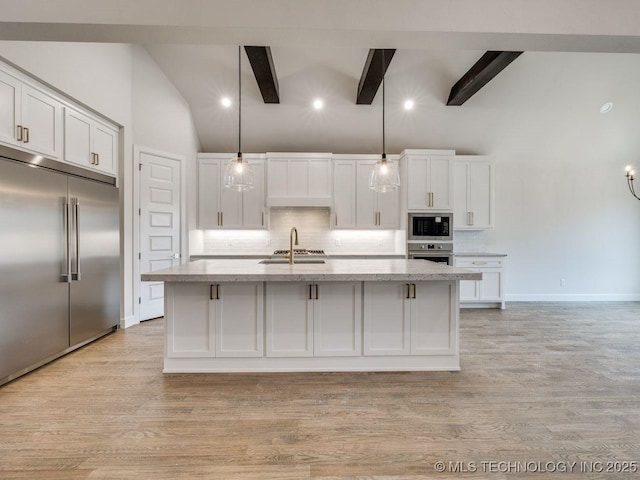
point(479, 263)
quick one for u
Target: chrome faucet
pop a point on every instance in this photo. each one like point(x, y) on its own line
point(291, 244)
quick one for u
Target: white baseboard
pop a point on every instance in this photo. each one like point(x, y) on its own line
point(573, 297)
point(129, 321)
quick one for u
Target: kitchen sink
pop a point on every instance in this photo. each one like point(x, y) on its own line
point(283, 261)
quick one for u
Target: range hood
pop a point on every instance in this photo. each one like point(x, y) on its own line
point(299, 179)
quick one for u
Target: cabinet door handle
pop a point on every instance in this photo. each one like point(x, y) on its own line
point(217, 295)
point(472, 218)
point(20, 130)
point(93, 158)
point(97, 159)
point(310, 291)
point(263, 219)
point(316, 285)
point(414, 290)
point(221, 219)
point(26, 135)
point(219, 222)
point(408, 290)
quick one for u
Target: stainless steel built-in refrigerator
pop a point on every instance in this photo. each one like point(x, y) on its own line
point(59, 267)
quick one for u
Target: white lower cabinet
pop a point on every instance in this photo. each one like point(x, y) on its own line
point(409, 318)
point(488, 292)
point(215, 320)
point(314, 319)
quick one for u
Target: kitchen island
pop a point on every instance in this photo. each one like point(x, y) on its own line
point(330, 315)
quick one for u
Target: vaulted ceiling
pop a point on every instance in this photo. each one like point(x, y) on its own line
point(319, 50)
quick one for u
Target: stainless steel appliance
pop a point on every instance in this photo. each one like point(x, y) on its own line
point(430, 226)
point(439, 252)
point(60, 267)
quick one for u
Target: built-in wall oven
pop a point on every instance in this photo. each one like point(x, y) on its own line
point(439, 252)
point(430, 226)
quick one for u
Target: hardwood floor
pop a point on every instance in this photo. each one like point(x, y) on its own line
point(541, 386)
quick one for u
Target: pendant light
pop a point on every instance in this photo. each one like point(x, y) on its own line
point(384, 176)
point(239, 174)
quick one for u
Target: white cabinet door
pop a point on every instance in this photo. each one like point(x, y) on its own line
point(344, 193)
point(9, 109)
point(473, 187)
point(209, 180)
point(190, 320)
point(337, 319)
point(481, 194)
point(367, 201)
point(253, 200)
point(389, 209)
point(105, 147)
point(491, 289)
point(239, 319)
point(429, 182)
point(78, 145)
point(433, 330)
point(469, 290)
point(289, 319)
point(230, 203)
point(440, 183)
point(387, 318)
point(42, 123)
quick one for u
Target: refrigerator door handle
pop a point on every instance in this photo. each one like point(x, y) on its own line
point(75, 202)
point(66, 276)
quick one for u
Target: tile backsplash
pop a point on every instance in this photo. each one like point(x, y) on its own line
point(313, 233)
point(468, 241)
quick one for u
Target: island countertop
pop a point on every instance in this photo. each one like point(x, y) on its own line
point(333, 270)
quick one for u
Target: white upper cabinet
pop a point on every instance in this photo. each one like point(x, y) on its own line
point(355, 204)
point(90, 143)
point(220, 207)
point(429, 179)
point(474, 193)
point(299, 179)
point(30, 118)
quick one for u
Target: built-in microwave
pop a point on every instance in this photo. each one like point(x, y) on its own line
point(430, 226)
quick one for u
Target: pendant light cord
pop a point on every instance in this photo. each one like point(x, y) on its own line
point(384, 150)
point(239, 101)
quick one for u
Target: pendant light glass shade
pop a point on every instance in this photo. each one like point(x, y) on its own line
point(384, 176)
point(239, 175)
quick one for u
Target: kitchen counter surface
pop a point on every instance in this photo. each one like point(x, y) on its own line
point(270, 255)
point(250, 270)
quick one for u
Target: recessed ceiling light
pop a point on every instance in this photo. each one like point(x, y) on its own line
point(226, 102)
point(318, 104)
point(606, 108)
point(409, 104)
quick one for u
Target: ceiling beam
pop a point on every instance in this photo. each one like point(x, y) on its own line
point(489, 65)
point(265, 72)
point(375, 67)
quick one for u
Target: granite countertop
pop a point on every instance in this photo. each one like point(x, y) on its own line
point(333, 270)
point(270, 255)
point(478, 254)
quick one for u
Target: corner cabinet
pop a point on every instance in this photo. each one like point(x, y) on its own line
point(474, 193)
point(30, 118)
point(218, 206)
point(90, 143)
point(355, 205)
point(485, 293)
point(216, 320)
point(429, 179)
point(298, 179)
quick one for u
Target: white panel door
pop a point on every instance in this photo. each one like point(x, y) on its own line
point(209, 181)
point(417, 188)
point(160, 198)
point(387, 321)
point(105, 146)
point(289, 319)
point(239, 319)
point(480, 187)
point(253, 200)
point(9, 109)
point(367, 212)
point(337, 319)
point(190, 321)
point(440, 182)
point(460, 194)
